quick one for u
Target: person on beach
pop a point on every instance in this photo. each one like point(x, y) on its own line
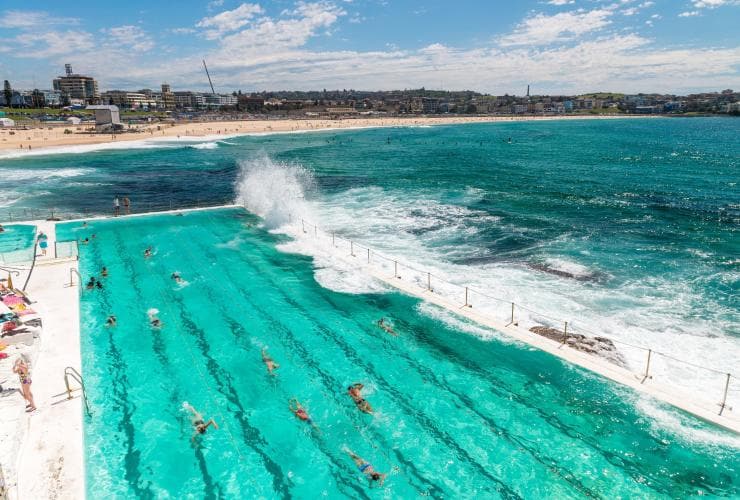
point(386, 327)
point(271, 365)
point(299, 411)
point(20, 368)
point(355, 392)
point(116, 206)
point(366, 468)
point(198, 422)
point(111, 321)
point(104, 272)
point(154, 321)
point(148, 252)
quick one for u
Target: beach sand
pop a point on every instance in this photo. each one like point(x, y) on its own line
point(55, 136)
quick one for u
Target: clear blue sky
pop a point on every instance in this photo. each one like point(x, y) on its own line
point(559, 46)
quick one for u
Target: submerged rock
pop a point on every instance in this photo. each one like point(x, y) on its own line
point(599, 346)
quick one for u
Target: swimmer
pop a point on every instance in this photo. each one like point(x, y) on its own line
point(86, 241)
point(176, 276)
point(299, 411)
point(366, 468)
point(84, 224)
point(271, 365)
point(385, 326)
point(104, 272)
point(111, 321)
point(355, 392)
point(91, 284)
point(99, 285)
point(154, 321)
point(199, 424)
point(148, 252)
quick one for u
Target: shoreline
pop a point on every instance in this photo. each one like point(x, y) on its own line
point(53, 138)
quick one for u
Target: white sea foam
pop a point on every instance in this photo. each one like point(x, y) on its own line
point(205, 145)
point(22, 174)
point(151, 143)
point(412, 229)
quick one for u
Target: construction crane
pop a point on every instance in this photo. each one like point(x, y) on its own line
point(209, 77)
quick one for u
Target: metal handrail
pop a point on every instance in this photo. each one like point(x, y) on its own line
point(71, 372)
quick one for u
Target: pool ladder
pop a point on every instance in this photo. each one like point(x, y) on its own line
point(71, 372)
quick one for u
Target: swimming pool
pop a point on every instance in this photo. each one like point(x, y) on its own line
point(455, 416)
point(17, 243)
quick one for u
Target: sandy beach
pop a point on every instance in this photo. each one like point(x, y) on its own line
point(55, 136)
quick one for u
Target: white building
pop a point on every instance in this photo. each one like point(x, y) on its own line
point(7, 122)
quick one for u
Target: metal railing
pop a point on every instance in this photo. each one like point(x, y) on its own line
point(506, 313)
point(70, 372)
point(22, 214)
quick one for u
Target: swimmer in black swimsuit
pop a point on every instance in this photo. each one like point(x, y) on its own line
point(199, 424)
point(355, 393)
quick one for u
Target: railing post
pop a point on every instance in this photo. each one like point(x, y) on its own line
point(351, 248)
point(565, 332)
point(395, 269)
point(303, 225)
point(315, 231)
point(723, 404)
point(368, 256)
point(429, 281)
point(332, 240)
point(466, 297)
point(647, 366)
point(512, 314)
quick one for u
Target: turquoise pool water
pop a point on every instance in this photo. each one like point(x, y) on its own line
point(17, 243)
point(456, 416)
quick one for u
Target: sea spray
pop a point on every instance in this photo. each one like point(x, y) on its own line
point(275, 191)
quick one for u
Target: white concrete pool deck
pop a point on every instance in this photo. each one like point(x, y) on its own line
point(50, 458)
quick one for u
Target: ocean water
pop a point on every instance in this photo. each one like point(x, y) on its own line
point(624, 228)
point(455, 415)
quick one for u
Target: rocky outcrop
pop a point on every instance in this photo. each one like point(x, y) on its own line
point(599, 346)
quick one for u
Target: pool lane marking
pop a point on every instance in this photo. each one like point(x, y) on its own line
point(158, 345)
point(329, 386)
point(131, 459)
point(227, 314)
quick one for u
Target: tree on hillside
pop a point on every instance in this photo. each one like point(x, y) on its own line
point(8, 91)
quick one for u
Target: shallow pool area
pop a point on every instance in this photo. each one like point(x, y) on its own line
point(454, 416)
point(17, 243)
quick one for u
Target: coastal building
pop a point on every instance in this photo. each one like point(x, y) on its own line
point(107, 118)
point(129, 100)
point(167, 98)
point(75, 86)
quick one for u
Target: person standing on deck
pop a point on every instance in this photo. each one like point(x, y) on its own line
point(20, 367)
point(126, 205)
point(116, 206)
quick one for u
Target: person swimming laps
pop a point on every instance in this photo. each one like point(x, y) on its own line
point(299, 411)
point(154, 320)
point(148, 252)
point(199, 424)
point(387, 327)
point(366, 468)
point(176, 276)
point(269, 362)
point(355, 392)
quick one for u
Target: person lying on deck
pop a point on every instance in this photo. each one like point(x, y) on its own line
point(366, 468)
point(269, 362)
point(199, 424)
